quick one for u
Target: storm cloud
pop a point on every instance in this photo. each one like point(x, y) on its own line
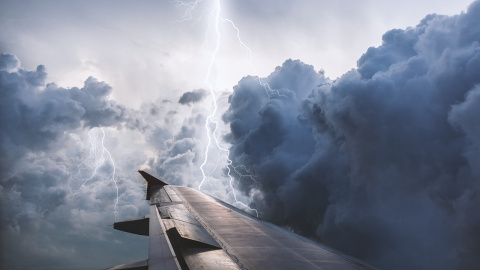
point(39, 157)
point(382, 163)
point(35, 116)
point(55, 208)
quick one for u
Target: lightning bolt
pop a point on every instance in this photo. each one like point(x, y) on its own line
point(266, 86)
point(211, 126)
point(251, 176)
point(94, 161)
point(189, 8)
point(209, 120)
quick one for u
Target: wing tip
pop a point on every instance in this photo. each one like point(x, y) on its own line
point(151, 180)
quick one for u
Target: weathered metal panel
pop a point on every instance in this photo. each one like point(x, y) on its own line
point(182, 215)
point(160, 252)
point(158, 195)
point(194, 233)
point(208, 259)
point(164, 208)
point(173, 196)
point(163, 211)
point(168, 224)
point(258, 244)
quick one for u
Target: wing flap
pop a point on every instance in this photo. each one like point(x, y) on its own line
point(258, 244)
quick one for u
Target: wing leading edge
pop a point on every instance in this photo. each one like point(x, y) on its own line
point(191, 230)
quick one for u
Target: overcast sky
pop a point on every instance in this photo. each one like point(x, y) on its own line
point(141, 49)
point(377, 127)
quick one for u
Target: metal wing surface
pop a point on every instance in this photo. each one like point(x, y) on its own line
point(188, 229)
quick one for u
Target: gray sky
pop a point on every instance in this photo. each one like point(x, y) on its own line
point(141, 49)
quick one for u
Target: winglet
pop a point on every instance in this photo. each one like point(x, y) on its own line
point(151, 182)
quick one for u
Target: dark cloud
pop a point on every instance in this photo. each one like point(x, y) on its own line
point(35, 114)
point(8, 62)
point(383, 162)
point(192, 97)
point(55, 207)
point(40, 154)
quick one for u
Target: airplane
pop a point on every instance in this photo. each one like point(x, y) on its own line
point(189, 229)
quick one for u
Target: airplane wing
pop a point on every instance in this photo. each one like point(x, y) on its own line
point(188, 229)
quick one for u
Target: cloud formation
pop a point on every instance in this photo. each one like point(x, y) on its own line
point(192, 97)
point(381, 163)
point(40, 152)
point(47, 198)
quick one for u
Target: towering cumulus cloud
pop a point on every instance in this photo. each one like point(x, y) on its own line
point(384, 162)
point(39, 157)
point(35, 117)
point(54, 207)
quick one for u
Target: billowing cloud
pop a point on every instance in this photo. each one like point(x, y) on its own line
point(54, 207)
point(192, 97)
point(381, 163)
point(40, 152)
